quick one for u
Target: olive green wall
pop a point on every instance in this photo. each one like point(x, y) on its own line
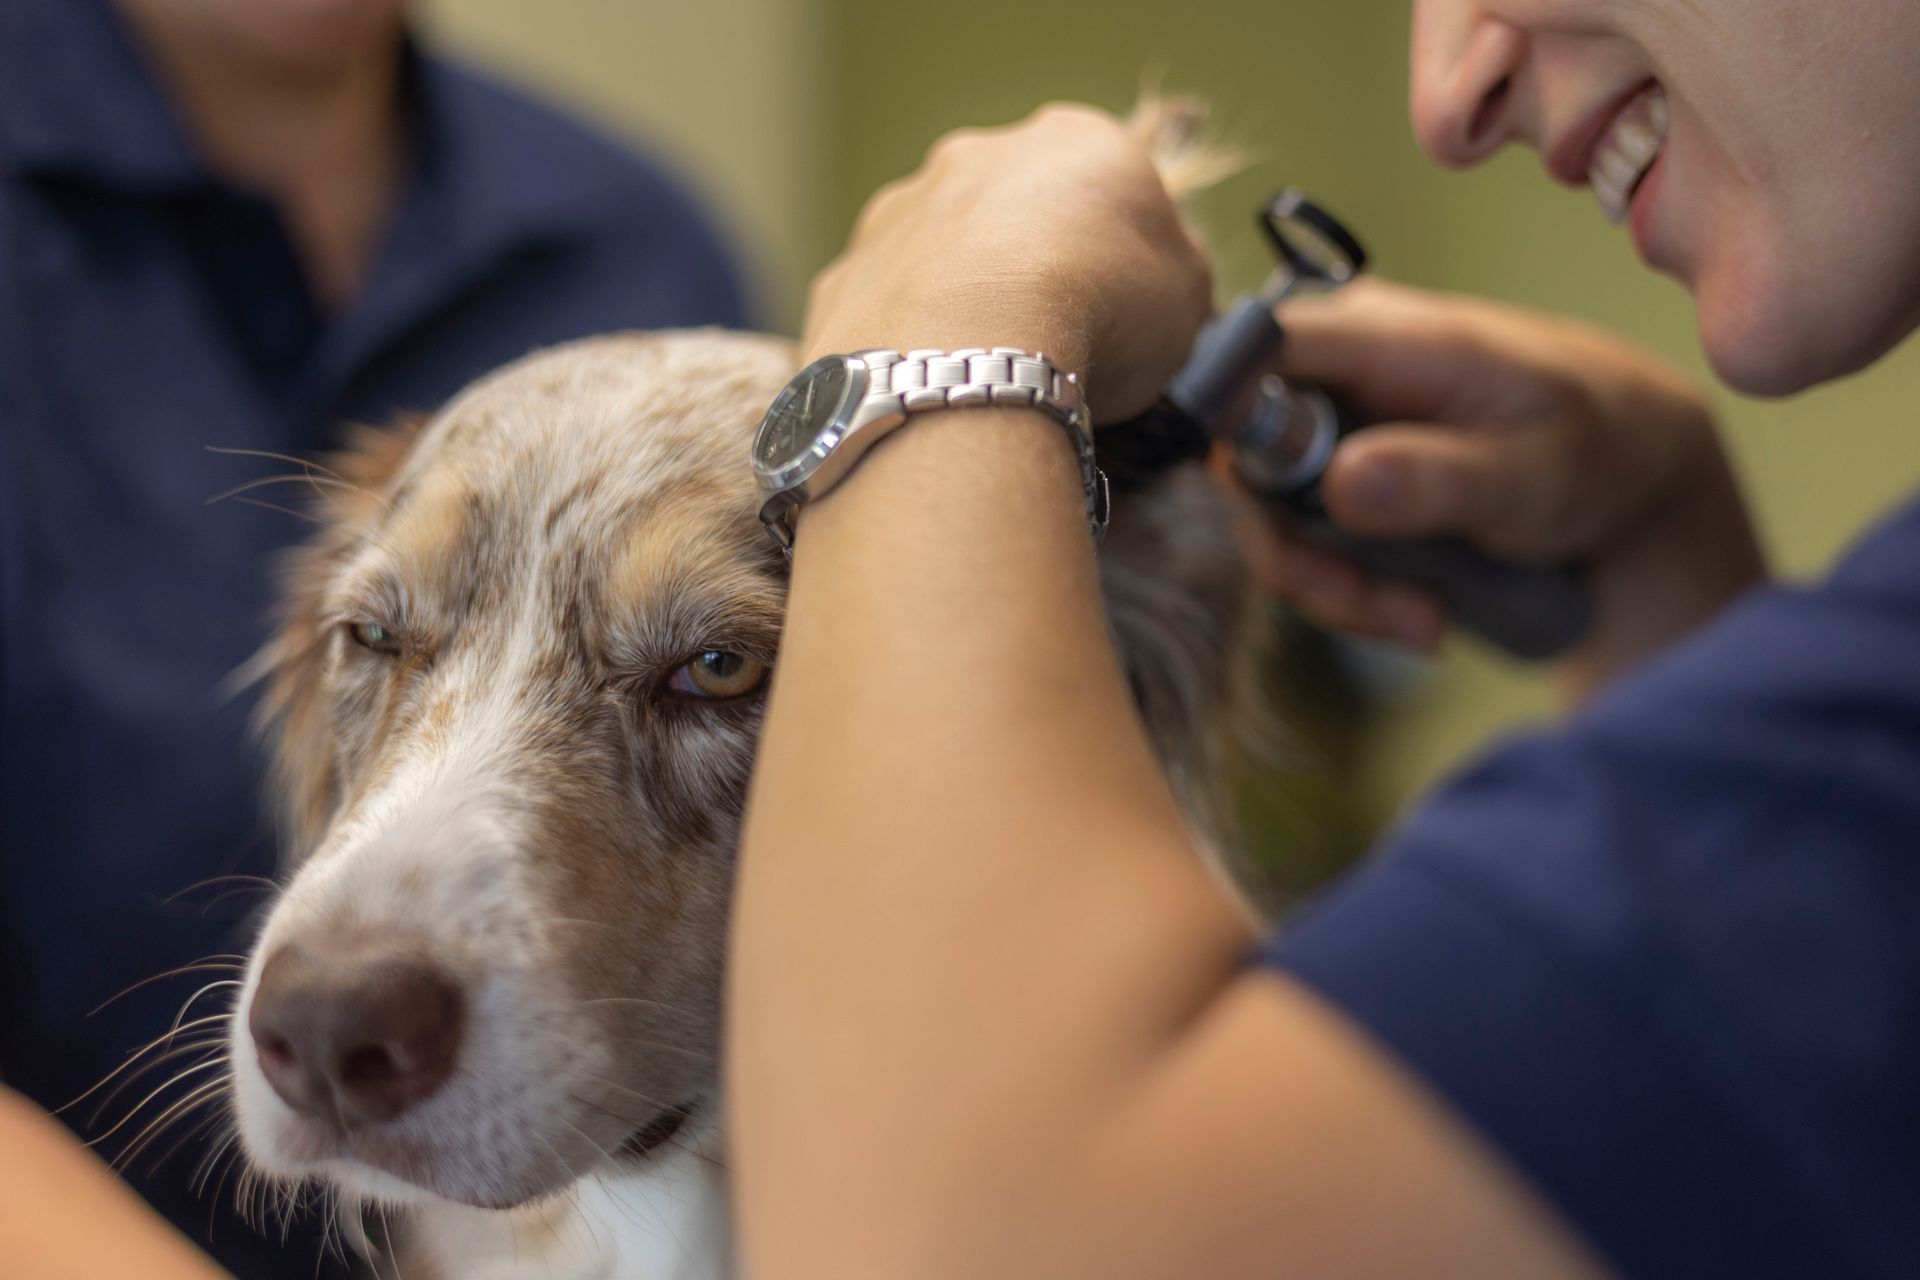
point(787, 113)
point(728, 93)
point(1319, 90)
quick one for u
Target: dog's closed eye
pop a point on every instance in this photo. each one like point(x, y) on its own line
point(718, 675)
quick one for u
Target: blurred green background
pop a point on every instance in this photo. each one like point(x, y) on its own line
point(787, 113)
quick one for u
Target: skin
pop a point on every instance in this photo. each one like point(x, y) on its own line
point(1136, 1104)
point(65, 1216)
point(1789, 204)
point(300, 100)
point(908, 1099)
point(1537, 438)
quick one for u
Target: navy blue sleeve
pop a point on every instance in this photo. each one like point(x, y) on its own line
point(1667, 961)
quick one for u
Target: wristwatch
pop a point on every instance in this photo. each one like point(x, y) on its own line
point(838, 407)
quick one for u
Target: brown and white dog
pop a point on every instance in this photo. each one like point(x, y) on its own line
point(514, 701)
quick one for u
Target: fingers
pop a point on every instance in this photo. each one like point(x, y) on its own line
point(1338, 596)
point(1404, 353)
point(1324, 588)
point(1533, 438)
point(1533, 493)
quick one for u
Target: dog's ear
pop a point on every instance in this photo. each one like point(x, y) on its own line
point(293, 713)
point(1189, 633)
point(1176, 587)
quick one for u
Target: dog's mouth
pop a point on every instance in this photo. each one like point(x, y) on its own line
point(655, 1132)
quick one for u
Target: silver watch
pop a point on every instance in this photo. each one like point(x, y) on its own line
point(836, 408)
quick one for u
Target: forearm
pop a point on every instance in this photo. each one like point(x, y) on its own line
point(62, 1214)
point(969, 910)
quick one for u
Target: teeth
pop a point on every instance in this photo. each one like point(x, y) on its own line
point(1629, 149)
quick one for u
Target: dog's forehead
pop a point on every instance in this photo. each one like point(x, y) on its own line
point(607, 421)
point(613, 473)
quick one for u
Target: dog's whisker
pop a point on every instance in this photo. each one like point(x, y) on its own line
point(703, 1055)
point(209, 964)
point(386, 1237)
point(270, 456)
point(640, 1000)
point(307, 516)
point(219, 985)
point(579, 1204)
point(587, 1138)
point(138, 1058)
point(635, 1093)
point(201, 1095)
point(319, 482)
point(141, 1065)
point(674, 1140)
point(207, 907)
point(263, 883)
point(608, 1112)
point(214, 1060)
point(231, 1160)
point(567, 1171)
point(198, 1130)
point(249, 1196)
point(585, 924)
point(203, 1169)
point(236, 885)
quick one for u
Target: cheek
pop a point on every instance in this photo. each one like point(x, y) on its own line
point(363, 701)
point(1791, 204)
point(639, 912)
point(1751, 325)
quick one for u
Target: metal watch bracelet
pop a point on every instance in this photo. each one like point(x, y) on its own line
point(919, 381)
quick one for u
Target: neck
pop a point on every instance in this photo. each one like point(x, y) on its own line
point(322, 137)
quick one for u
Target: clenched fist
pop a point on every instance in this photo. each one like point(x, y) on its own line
point(1054, 234)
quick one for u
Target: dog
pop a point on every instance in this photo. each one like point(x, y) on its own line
point(513, 699)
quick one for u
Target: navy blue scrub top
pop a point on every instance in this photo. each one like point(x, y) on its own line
point(147, 312)
point(1668, 960)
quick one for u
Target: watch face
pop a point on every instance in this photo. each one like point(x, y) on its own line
point(807, 407)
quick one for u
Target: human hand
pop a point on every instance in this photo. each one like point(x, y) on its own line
point(1054, 234)
point(1537, 439)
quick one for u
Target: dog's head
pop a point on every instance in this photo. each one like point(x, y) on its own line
point(515, 700)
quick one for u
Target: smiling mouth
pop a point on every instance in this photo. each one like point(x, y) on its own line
point(655, 1132)
point(1627, 151)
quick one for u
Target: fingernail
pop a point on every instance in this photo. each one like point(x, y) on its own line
point(1381, 489)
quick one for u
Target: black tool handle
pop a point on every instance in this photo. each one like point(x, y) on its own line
point(1531, 612)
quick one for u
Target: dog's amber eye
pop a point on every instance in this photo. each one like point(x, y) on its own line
point(371, 635)
point(718, 673)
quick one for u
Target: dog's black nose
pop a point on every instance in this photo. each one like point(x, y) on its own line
point(355, 1028)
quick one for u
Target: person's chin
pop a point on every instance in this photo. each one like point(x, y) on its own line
point(1773, 323)
point(1757, 342)
point(1753, 362)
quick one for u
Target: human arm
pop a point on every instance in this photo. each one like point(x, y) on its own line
point(64, 1216)
point(988, 1013)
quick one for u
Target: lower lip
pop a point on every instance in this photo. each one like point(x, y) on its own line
point(1640, 211)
